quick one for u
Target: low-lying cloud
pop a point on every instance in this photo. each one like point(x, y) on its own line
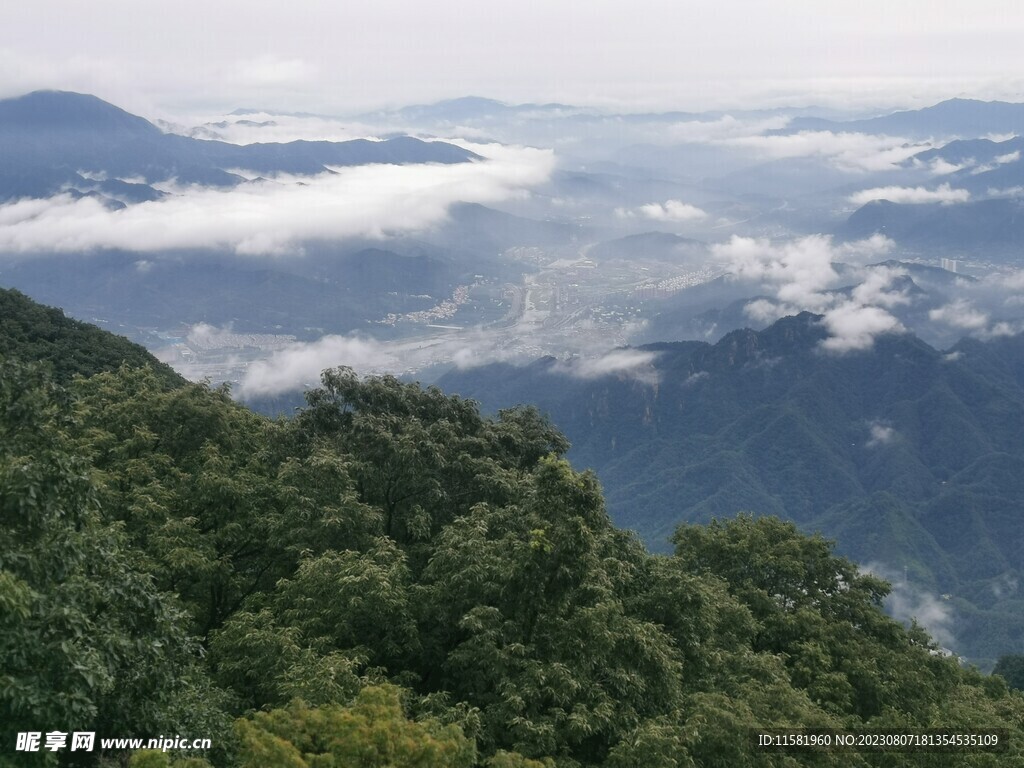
point(801, 276)
point(908, 602)
point(302, 363)
point(299, 364)
point(880, 434)
point(959, 314)
point(853, 327)
point(669, 211)
point(944, 194)
point(851, 152)
point(631, 363)
point(276, 216)
point(722, 129)
point(991, 307)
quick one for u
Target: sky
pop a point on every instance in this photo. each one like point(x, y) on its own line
point(322, 56)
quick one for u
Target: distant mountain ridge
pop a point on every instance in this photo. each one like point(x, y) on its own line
point(907, 455)
point(961, 228)
point(966, 118)
point(52, 141)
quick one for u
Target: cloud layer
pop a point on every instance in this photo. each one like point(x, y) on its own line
point(631, 363)
point(275, 216)
point(669, 211)
point(299, 364)
point(851, 152)
point(944, 194)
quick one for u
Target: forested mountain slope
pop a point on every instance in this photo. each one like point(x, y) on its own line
point(909, 457)
point(392, 578)
point(32, 332)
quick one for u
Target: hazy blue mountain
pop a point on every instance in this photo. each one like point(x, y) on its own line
point(991, 172)
point(909, 456)
point(663, 246)
point(50, 140)
point(977, 151)
point(331, 291)
point(455, 110)
point(966, 118)
point(478, 108)
point(476, 227)
point(987, 168)
point(996, 225)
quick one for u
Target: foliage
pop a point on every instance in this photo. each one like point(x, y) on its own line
point(393, 579)
point(87, 641)
point(421, 457)
point(206, 489)
point(1011, 668)
point(527, 621)
point(149, 758)
point(373, 732)
point(821, 615)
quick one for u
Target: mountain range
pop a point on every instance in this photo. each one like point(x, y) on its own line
point(951, 118)
point(56, 141)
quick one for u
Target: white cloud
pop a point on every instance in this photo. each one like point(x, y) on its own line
point(853, 327)
point(693, 378)
point(851, 152)
point(208, 336)
point(941, 167)
point(725, 127)
point(874, 289)
point(944, 193)
point(907, 602)
point(275, 216)
point(881, 434)
point(1013, 281)
point(670, 210)
point(1009, 157)
point(765, 312)
point(631, 363)
point(868, 249)
point(985, 308)
point(801, 277)
point(301, 364)
point(1005, 191)
point(1002, 328)
point(798, 271)
point(959, 314)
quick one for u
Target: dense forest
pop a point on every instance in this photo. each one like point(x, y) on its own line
point(393, 579)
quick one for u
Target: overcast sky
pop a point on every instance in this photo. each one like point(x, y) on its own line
point(167, 59)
